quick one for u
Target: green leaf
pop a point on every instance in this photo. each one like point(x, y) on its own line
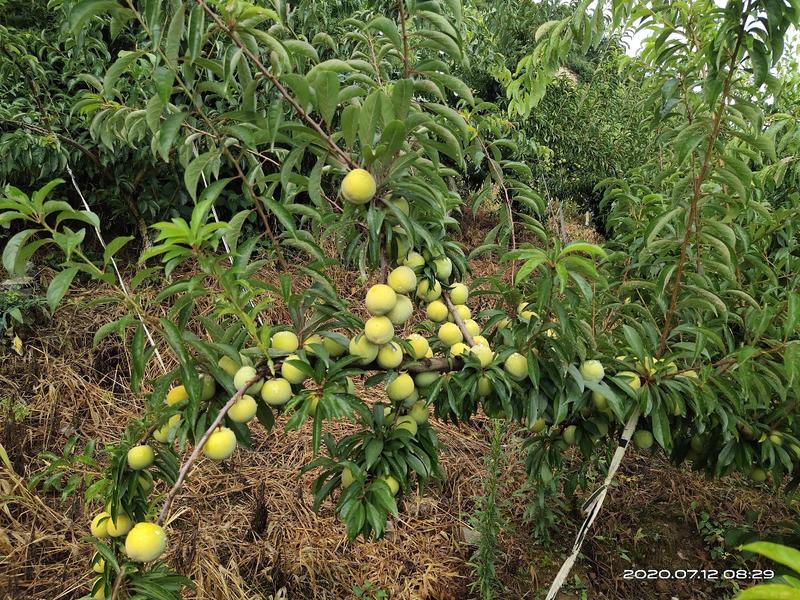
point(108, 328)
point(688, 139)
point(634, 340)
point(770, 591)
point(167, 133)
point(38, 197)
point(153, 111)
point(118, 68)
point(369, 118)
point(152, 16)
point(454, 84)
point(174, 34)
point(401, 97)
point(372, 452)
point(791, 362)
point(196, 33)
point(662, 222)
point(138, 358)
point(350, 119)
point(12, 249)
point(108, 555)
point(194, 170)
point(87, 9)
point(326, 88)
point(389, 29)
point(59, 286)
point(279, 211)
point(189, 376)
point(114, 246)
point(393, 136)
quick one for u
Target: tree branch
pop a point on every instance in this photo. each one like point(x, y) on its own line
point(697, 188)
point(424, 365)
point(458, 320)
point(343, 156)
point(67, 140)
point(199, 446)
point(406, 66)
point(118, 583)
point(259, 209)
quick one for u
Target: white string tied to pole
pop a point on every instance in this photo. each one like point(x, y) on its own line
point(593, 505)
point(122, 284)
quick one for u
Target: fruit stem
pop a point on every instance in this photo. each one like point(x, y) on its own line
point(458, 320)
point(199, 446)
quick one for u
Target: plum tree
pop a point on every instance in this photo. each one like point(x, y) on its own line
point(658, 328)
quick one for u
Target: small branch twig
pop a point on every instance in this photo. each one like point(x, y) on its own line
point(406, 66)
point(384, 262)
point(199, 447)
point(67, 140)
point(259, 209)
point(117, 583)
point(458, 320)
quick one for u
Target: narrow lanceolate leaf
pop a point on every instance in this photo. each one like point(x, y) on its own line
point(174, 34)
point(791, 362)
point(152, 16)
point(276, 208)
point(83, 11)
point(137, 357)
point(196, 33)
point(194, 170)
point(389, 29)
point(662, 222)
point(59, 286)
point(189, 376)
point(114, 246)
point(118, 68)
point(168, 132)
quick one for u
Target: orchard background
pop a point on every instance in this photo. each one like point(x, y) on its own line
point(356, 298)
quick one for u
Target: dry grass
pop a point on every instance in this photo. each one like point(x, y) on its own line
point(244, 529)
